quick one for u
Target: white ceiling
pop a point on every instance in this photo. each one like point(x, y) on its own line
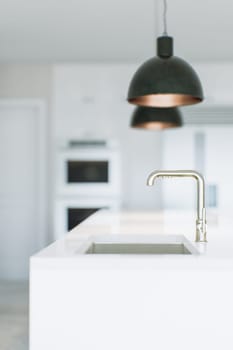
point(202, 28)
point(107, 30)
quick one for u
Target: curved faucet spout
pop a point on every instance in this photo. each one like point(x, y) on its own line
point(201, 212)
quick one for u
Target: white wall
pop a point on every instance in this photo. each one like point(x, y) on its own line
point(217, 82)
point(25, 81)
point(97, 106)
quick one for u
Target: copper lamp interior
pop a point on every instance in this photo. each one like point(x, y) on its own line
point(155, 125)
point(164, 100)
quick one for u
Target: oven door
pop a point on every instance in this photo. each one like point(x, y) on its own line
point(89, 172)
point(71, 212)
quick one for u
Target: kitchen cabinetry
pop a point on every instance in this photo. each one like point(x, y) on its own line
point(212, 159)
point(90, 99)
point(89, 102)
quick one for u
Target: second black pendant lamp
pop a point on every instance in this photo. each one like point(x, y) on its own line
point(165, 80)
point(153, 118)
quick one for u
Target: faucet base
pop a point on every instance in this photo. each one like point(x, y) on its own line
point(201, 231)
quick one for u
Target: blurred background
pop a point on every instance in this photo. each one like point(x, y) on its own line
point(66, 145)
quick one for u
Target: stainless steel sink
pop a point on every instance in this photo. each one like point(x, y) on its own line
point(138, 245)
point(137, 248)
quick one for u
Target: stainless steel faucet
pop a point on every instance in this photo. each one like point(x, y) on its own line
point(201, 227)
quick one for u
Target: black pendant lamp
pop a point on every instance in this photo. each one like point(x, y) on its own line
point(165, 80)
point(153, 118)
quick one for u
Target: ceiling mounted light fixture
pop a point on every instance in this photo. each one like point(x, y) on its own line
point(165, 80)
point(152, 118)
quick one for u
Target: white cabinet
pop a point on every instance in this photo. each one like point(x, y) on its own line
point(89, 100)
point(213, 159)
point(219, 165)
point(178, 153)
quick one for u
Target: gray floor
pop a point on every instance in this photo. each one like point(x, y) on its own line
point(13, 315)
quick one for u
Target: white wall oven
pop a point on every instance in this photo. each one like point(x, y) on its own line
point(88, 169)
point(88, 177)
point(70, 212)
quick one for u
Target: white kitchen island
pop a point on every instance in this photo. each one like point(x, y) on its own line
point(134, 302)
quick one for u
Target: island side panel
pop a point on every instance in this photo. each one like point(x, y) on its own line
point(86, 309)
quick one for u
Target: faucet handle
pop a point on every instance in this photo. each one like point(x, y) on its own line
point(201, 228)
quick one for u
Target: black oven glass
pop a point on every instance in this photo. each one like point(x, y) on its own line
point(76, 215)
point(87, 172)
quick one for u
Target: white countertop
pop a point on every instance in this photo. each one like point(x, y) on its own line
point(216, 253)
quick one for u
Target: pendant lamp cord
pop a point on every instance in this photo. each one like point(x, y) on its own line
point(165, 17)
